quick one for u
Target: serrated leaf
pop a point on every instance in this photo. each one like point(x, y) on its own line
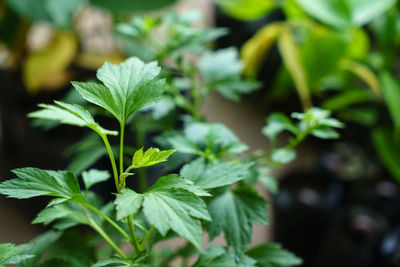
point(129, 86)
point(220, 65)
point(276, 124)
point(38, 246)
point(221, 70)
point(151, 157)
point(213, 176)
point(12, 254)
point(66, 214)
point(283, 155)
point(184, 144)
point(32, 182)
point(273, 255)
point(217, 256)
point(51, 214)
point(215, 136)
point(325, 132)
point(111, 261)
point(93, 177)
point(315, 118)
point(167, 205)
point(234, 212)
point(71, 114)
point(128, 202)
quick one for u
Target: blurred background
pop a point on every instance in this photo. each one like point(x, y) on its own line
point(338, 204)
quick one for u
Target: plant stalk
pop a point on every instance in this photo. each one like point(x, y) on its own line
point(105, 217)
point(114, 166)
point(106, 237)
point(132, 232)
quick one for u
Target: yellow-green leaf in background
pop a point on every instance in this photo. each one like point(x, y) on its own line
point(293, 62)
point(364, 73)
point(46, 69)
point(256, 48)
point(246, 9)
point(321, 51)
point(358, 43)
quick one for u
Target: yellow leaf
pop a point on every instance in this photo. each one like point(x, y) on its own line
point(291, 57)
point(255, 49)
point(364, 73)
point(46, 69)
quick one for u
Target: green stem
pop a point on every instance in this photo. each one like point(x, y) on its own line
point(121, 149)
point(146, 238)
point(141, 172)
point(105, 217)
point(114, 166)
point(106, 237)
point(132, 232)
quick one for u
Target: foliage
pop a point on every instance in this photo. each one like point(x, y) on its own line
point(339, 53)
point(214, 190)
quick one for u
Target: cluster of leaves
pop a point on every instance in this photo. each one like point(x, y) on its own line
point(213, 191)
point(357, 37)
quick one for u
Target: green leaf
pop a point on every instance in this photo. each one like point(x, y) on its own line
point(325, 132)
point(32, 182)
point(12, 254)
point(283, 155)
point(346, 99)
point(66, 214)
point(124, 6)
point(292, 58)
point(222, 70)
point(71, 114)
point(111, 261)
point(184, 144)
point(85, 153)
point(214, 136)
point(344, 13)
point(217, 256)
point(128, 202)
point(246, 9)
point(216, 175)
point(234, 212)
point(276, 124)
point(151, 157)
point(391, 94)
point(167, 205)
point(173, 181)
point(38, 246)
point(58, 12)
point(269, 182)
point(315, 118)
point(93, 177)
point(130, 86)
point(388, 150)
point(273, 255)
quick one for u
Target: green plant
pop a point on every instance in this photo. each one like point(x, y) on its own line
point(214, 191)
